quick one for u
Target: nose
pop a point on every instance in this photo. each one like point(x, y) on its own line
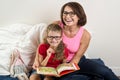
point(53, 39)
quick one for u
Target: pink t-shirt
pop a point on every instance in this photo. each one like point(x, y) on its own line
point(73, 44)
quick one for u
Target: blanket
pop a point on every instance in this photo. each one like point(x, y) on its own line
point(23, 37)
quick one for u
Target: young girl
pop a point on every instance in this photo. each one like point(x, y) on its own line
point(51, 53)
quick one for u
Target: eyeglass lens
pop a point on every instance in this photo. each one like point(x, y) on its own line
point(65, 13)
point(54, 37)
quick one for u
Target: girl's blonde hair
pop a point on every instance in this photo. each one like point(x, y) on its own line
point(59, 52)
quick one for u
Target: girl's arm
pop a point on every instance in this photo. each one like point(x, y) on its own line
point(85, 40)
point(45, 61)
point(37, 61)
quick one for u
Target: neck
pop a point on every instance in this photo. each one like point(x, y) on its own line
point(71, 28)
point(71, 31)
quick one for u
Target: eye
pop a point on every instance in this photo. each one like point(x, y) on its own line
point(57, 37)
point(54, 37)
point(71, 14)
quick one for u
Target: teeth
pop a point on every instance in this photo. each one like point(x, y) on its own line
point(68, 21)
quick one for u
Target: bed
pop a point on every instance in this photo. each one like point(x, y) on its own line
point(23, 37)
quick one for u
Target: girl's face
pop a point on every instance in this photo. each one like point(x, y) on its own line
point(54, 38)
point(69, 17)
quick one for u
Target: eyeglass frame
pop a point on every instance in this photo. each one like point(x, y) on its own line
point(54, 37)
point(71, 13)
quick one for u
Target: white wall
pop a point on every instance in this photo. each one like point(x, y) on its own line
point(103, 22)
point(104, 25)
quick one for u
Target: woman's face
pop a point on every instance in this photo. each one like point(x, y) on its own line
point(54, 38)
point(69, 17)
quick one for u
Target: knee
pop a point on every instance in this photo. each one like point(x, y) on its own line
point(79, 77)
point(48, 78)
point(34, 77)
point(105, 71)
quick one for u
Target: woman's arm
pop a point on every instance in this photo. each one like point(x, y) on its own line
point(64, 60)
point(85, 40)
point(57, 22)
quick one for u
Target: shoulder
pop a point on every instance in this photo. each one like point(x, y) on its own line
point(43, 47)
point(86, 32)
point(86, 35)
point(66, 49)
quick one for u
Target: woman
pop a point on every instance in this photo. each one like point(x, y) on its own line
point(77, 40)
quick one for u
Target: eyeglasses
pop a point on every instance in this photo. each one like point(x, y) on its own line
point(54, 37)
point(71, 14)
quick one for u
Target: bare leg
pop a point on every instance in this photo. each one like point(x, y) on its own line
point(48, 78)
point(34, 77)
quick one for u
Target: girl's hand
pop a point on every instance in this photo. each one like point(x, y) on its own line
point(50, 51)
point(45, 61)
point(35, 65)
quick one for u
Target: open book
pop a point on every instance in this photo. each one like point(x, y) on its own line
point(61, 70)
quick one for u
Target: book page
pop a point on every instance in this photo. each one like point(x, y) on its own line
point(62, 69)
point(47, 71)
point(65, 67)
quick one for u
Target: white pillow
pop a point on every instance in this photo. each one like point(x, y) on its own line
point(28, 45)
point(5, 61)
point(19, 29)
point(23, 36)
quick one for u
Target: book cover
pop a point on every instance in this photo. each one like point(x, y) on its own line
point(61, 70)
